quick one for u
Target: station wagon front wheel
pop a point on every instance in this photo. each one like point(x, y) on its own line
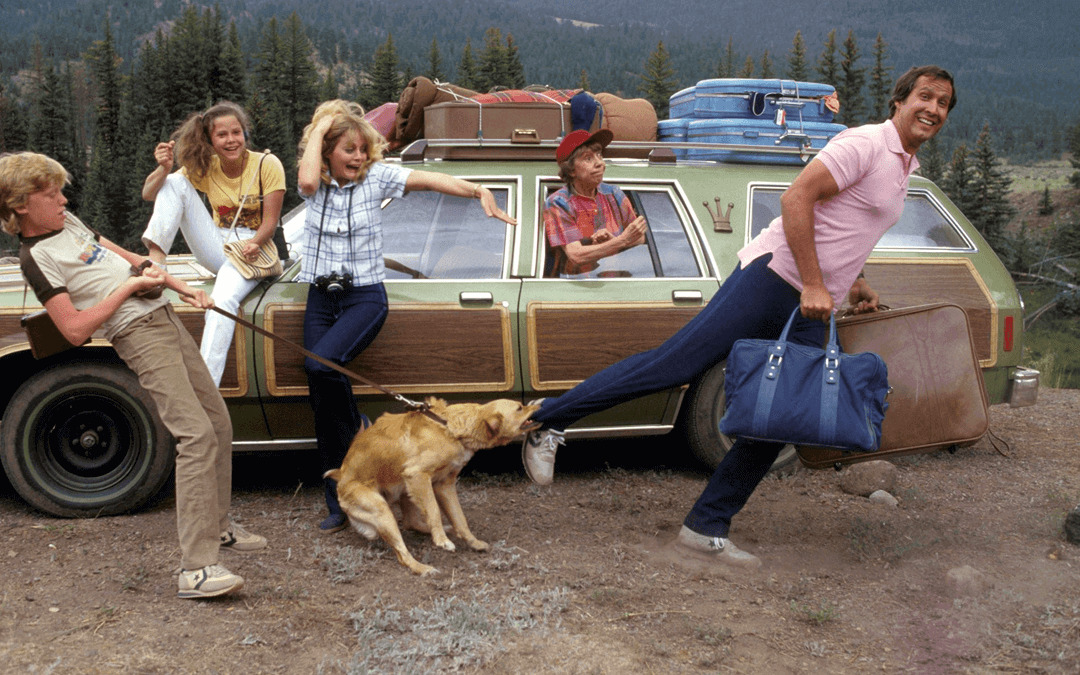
point(85, 440)
point(702, 423)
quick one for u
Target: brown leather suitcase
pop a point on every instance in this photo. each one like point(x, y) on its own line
point(938, 397)
point(511, 128)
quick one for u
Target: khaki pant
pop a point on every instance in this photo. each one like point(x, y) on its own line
point(164, 356)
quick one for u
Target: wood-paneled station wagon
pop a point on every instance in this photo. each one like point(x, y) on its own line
point(472, 317)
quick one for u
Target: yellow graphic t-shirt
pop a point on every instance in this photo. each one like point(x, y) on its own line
point(225, 194)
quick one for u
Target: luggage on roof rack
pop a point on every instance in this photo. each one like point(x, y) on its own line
point(742, 98)
point(757, 139)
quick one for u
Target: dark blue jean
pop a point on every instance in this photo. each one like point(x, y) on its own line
point(753, 303)
point(338, 326)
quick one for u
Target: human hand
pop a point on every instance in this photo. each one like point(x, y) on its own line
point(816, 302)
point(491, 209)
point(634, 233)
point(197, 298)
point(250, 250)
point(163, 155)
point(600, 236)
point(862, 298)
point(146, 286)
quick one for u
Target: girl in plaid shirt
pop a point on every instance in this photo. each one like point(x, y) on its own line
point(344, 183)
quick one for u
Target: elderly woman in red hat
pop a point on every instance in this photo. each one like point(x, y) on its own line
point(587, 219)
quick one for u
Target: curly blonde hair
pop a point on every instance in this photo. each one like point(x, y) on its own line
point(21, 175)
point(193, 147)
point(348, 116)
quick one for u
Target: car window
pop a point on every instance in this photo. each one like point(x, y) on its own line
point(429, 235)
point(667, 251)
point(923, 224)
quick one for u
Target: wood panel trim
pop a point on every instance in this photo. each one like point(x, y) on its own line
point(239, 370)
point(983, 319)
point(532, 330)
point(280, 315)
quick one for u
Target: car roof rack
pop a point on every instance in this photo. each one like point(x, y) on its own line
point(656, 152)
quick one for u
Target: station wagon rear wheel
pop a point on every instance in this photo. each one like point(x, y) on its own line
point(702, 424)
point(84, 440)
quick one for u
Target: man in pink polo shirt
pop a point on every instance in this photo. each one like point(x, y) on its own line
point(810, 257)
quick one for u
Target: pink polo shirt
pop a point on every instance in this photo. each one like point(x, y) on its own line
point(872, 171)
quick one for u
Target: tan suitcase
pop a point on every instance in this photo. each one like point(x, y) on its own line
point(521, 130)
point(938, 397)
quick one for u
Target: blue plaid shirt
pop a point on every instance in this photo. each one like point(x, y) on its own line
point(349, 219)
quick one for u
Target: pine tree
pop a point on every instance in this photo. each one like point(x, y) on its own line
point(468, 75)
point(52, 129)
point(932, 161)
point(1074, 149)
point(827, 67)
point(957, 182)
point(849, 90)
point(493, 61)
point(748, 68)
point(435, 68)
point(766, 66)
point(726, 67)
point(583, 81)
point(213, 45)
point(328, 91)
point(300, 78)
point(187, 59)
point(385, 84)
point(990, 186)
point(880, 82)
point(14, 125)
point(797, 69)
point(658, 80)
point(1046, 204)
point(515, 72)
point(230, 82)
point(104, 203)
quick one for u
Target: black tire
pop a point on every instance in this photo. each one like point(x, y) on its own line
point(705, 407)
point(84, 440)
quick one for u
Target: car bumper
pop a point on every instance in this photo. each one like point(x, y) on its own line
point(1023, 387)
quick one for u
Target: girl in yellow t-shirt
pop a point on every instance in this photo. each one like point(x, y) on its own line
point(211, 150)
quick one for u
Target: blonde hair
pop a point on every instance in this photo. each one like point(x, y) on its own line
point(348, 116)
point(194, 149)
point(21, 175)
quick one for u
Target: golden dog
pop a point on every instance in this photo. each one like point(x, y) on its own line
point(414, 461)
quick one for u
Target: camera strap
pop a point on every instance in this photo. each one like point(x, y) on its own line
point(416, 406)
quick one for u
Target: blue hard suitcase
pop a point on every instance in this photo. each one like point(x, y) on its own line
point(673, 131)
point(737, 98)
point(759, 133)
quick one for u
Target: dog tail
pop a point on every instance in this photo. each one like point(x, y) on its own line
point(334, 474)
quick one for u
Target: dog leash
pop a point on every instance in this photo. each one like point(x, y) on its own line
point(414, 406)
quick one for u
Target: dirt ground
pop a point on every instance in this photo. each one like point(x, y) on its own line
point(581, 578)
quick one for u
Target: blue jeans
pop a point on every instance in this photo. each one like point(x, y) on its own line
point(753, 303)
point(338, 326)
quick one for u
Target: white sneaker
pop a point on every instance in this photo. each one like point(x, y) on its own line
point(538, 454)
point(714, 549)
point(208, 582)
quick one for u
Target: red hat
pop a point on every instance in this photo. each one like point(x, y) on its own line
point(576, 139)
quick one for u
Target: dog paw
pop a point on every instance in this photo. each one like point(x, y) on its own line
point(446, 545)
point(424, 570)
point(478, 545)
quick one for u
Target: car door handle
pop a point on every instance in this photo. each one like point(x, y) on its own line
point(475, 297)
point(686, 296)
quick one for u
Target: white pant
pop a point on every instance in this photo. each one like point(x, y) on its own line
point(178, 207)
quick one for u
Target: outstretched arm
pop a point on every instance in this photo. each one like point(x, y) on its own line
point(449, 185)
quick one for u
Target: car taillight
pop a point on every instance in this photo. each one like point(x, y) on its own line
point(1008, 333)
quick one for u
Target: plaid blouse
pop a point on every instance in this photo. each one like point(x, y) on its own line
point(569, 217)
point(343, 226)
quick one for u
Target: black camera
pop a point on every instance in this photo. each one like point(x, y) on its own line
point(334, 282)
